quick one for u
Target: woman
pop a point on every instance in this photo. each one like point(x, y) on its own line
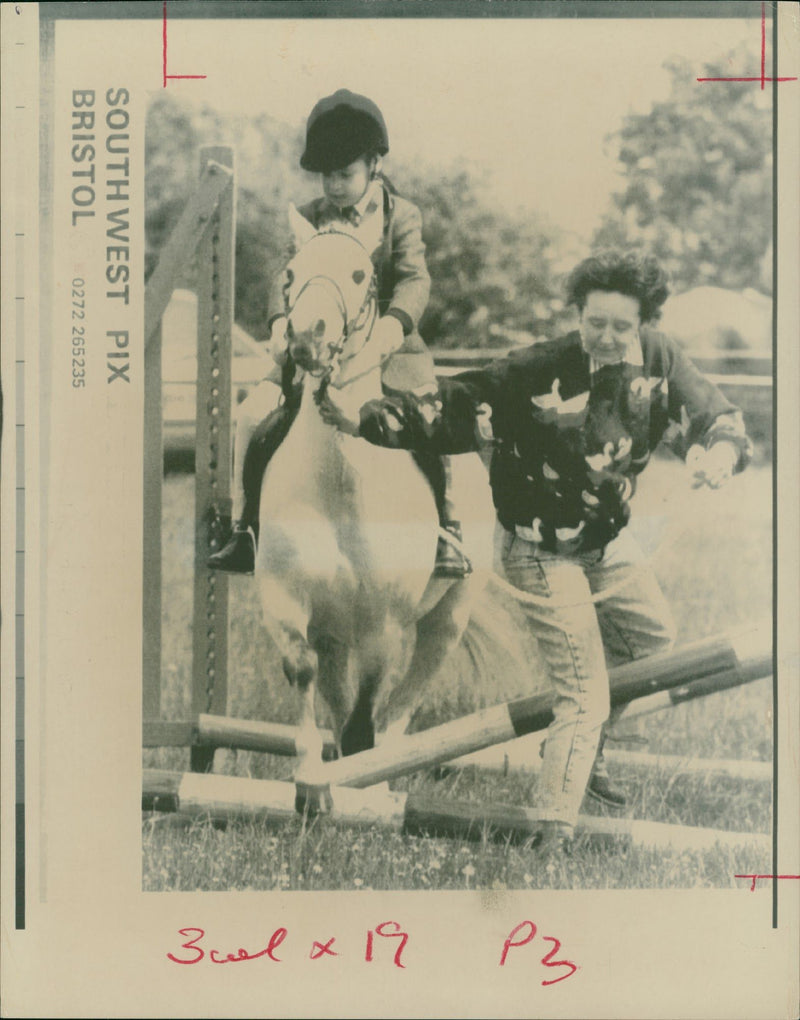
point(574, 421)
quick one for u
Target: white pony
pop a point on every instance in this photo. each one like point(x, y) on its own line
point(348, 530)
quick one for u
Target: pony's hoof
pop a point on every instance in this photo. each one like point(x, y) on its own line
point(312, 799)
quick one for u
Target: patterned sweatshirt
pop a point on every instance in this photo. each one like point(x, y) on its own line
point(568, 441)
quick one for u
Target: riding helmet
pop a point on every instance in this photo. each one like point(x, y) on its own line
point(341, 128)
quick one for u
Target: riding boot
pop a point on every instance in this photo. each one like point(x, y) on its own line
point(239, 553)
point(450, 559)
point(599, 786)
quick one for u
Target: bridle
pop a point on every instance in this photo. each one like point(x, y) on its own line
point(362, 321)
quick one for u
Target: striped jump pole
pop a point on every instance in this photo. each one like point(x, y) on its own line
point(252, 735)
point(714, 673)
point(280, 738)
point(721, 660)
point(686, 692)
point(225, 798)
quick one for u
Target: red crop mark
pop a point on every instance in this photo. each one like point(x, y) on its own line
point(755, 878)
point(762, 78)
point(164, 76)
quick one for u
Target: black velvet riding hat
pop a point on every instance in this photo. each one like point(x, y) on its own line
point(341, 128)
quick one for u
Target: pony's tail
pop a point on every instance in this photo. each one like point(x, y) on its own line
point(501, 653)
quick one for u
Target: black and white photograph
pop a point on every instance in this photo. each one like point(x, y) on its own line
point(400, 496)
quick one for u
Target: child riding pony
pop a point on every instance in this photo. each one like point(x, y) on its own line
point(346, 139)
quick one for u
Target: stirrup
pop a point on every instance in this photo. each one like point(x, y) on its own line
point(451, 561)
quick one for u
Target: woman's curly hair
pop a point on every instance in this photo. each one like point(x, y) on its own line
point(639, 276)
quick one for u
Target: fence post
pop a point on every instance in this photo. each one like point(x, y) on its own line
point(215, 299)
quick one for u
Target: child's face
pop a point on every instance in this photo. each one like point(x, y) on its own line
point(345, 187)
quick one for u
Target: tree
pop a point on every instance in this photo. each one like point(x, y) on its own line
point(266, 153)
point(698, 181)
point(491, 273)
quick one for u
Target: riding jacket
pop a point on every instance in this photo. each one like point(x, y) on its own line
point(403, 283)
point(568, 441)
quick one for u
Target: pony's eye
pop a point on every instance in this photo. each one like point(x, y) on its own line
point(358, 275)
point(319, 328)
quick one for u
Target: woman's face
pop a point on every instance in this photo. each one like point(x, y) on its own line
point(609, 323)
point(345, 187)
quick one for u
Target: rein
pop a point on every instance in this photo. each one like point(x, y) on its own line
point(363, 320)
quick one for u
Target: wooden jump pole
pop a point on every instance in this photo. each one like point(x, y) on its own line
point(279, 738)
point(252, 735)
point(686, 692)
point(721, 658)
point(477, 731)
point(225, 798)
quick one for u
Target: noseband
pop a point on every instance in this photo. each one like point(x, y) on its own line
point(363, 320)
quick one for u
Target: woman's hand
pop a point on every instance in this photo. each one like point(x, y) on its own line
point(713, 467)
point(332, 414)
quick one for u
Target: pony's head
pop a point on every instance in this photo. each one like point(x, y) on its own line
point(331, 300)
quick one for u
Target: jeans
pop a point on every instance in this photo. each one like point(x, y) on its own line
point(579, 637)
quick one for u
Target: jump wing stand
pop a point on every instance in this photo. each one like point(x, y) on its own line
point(207, 226)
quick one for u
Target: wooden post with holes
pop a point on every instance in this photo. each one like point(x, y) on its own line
point(206, 225)
point(215, 299)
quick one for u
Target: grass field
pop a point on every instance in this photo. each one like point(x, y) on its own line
point(712, 554)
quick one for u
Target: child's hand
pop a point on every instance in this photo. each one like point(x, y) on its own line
point(332, 414)
point(388, 335)
point(713, 467)
point(278, 343)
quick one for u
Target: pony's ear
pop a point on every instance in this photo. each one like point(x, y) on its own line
point(302, 230)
